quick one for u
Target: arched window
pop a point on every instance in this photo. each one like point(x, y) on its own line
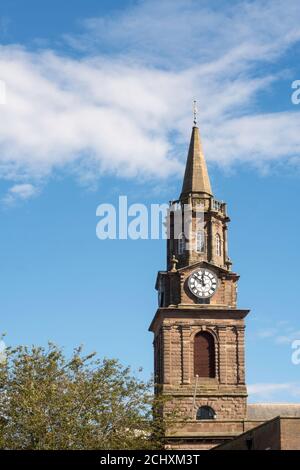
point(200, 243)
point(218, 245)
point(205, 412)
point(181, 244)
point(204, 355)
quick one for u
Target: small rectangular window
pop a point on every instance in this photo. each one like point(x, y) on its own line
point(200, 245)
point(181, 244)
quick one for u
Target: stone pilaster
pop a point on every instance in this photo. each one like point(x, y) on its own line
point(222, 332)
point(167, 352)
point(241, 355)
point(185, 354)
point(225, 244)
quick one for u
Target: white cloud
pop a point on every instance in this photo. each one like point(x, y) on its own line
point(60, 111)
point(176, 33)
point(269, 391)
point(129, 112)
point(20, 192)
point(288, 338)
point(267, 388)
point(267, 333)
point(259, 139)
point(281, 333)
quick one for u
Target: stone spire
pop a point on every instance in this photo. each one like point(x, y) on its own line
point(196, 179)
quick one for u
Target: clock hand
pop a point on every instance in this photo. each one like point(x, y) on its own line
point(200, 279)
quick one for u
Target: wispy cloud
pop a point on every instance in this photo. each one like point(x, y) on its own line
point(267, 333)
point(124, 106)
point(271, 391)
point(280, 333)
point(19, 192)
point(178, 33)
point(288, 337)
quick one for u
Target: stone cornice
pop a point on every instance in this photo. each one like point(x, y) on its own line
point(196, 311)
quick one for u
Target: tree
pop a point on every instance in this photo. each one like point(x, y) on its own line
point(50, 402)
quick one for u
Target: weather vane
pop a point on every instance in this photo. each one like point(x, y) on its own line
point(195, 112)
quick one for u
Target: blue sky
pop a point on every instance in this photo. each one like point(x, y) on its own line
point(98, 104)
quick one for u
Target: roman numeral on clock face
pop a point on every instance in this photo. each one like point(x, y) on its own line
point(203, 283)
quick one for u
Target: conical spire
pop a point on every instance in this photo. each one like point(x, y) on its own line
point(196, 179)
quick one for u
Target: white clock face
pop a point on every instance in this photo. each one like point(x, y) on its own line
point(203, 283)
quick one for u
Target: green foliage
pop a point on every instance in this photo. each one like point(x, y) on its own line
point(49, 402)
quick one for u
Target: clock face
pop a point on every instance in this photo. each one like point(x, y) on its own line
point(203, 283)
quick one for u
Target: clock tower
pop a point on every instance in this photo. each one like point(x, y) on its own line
point(198, 328)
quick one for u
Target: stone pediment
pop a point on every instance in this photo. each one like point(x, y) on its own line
point(204, 264)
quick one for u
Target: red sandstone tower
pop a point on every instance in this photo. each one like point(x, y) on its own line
point(198, 328)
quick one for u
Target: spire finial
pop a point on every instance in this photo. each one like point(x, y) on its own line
point(195, 110)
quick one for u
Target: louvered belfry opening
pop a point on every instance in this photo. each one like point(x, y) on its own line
point(204, 355)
